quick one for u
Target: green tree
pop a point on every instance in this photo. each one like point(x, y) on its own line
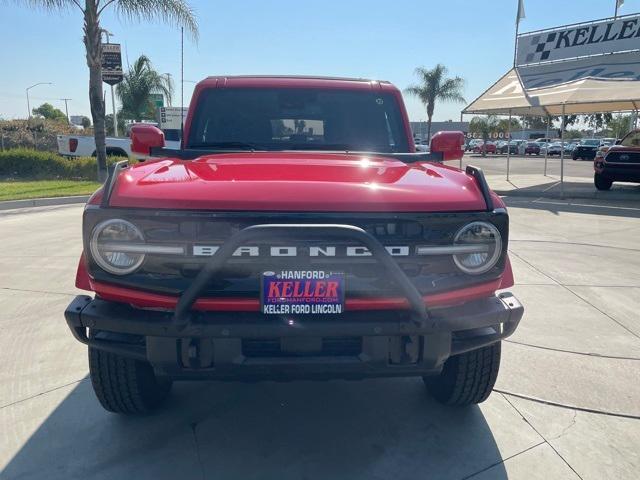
point(484, 126)
point(503, 124)
point(86, 122)
point(109, 124)
point(619, 125)
point(572, 134)
point(176, 12)
point(49, 112)
point(434, 86)
point(598, 120)
point(136, 88)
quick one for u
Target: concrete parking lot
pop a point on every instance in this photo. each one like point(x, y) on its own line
point(566, 405)
point(530, 165)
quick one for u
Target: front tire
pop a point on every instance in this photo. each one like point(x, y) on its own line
point(602, 183)
point(467, 378)
point(124, 385)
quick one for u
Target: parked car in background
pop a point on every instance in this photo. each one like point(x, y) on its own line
point(543, 140)
point(488, 147)
point(618, 163)
point(570, 147)
point(586, 150)
point(543, 147)
point(555, 148)
point(421, 145)
point(500, 144)
point(532, 148)
point(512, 147)
point(473, 143)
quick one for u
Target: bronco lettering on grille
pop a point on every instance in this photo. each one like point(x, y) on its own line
point(294, 251)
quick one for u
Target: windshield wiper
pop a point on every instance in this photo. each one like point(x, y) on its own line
point(229, 145)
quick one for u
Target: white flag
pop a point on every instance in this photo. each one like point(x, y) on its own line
point(521, 14)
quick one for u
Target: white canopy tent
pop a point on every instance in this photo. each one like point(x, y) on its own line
point(508, 96)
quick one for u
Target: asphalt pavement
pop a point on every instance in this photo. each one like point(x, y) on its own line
point(566, 404)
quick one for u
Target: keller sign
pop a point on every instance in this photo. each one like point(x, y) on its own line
point(585, 39)
point(111, 63)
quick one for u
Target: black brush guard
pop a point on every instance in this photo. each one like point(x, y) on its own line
point(298, 232)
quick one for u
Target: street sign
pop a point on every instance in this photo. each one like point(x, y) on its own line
point(169, 118)
point(111, 63)
point(157, 99)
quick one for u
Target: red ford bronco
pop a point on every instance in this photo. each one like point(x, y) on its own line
point(295, 235)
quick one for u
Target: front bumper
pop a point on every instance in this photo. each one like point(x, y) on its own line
point(619, 172)
point(223, 345)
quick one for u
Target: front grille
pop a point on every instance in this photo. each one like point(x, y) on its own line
point(313, 347)
point(364, 276)
point(623, 157)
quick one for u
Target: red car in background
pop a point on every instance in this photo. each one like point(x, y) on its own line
point(532, 148)
point(488, 147)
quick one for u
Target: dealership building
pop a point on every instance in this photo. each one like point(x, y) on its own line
point(419, 130)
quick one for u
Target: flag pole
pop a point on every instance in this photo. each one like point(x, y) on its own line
point(615, 15)
point(519, 16)
point(515, 42)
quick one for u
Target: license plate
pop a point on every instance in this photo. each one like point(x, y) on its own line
point(302, 292)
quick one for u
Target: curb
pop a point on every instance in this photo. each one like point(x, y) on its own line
point(43, 202)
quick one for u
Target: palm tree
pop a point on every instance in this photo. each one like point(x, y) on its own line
point(435, 86)
point(134, 92)
point(177, 12)
point(484, 126)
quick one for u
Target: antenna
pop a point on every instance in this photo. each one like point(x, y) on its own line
point(182, 88)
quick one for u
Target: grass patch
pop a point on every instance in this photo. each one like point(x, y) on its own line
point(17, 190)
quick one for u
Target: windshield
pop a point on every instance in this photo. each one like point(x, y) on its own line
point(298, 119)
point(591, 143)
point(631, 140)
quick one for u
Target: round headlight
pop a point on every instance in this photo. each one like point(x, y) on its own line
point(484, 246)
point(108, 246)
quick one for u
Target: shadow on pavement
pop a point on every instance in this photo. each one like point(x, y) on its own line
point(374, 429)
point(595, 206)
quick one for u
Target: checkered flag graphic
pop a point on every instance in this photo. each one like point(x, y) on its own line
point(542, 47)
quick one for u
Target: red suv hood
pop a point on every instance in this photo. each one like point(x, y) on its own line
point(292, 181)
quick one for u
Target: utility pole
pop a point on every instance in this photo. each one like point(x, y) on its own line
point(108, 34)
point(169, 83)
point(66, 107)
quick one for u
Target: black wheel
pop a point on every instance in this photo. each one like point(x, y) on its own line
point(601, 182)
point(123, 385)
point(467, 378)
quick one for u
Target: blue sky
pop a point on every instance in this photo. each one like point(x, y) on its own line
point(361, 38)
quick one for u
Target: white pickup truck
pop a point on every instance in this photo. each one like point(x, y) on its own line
point(85, 146)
